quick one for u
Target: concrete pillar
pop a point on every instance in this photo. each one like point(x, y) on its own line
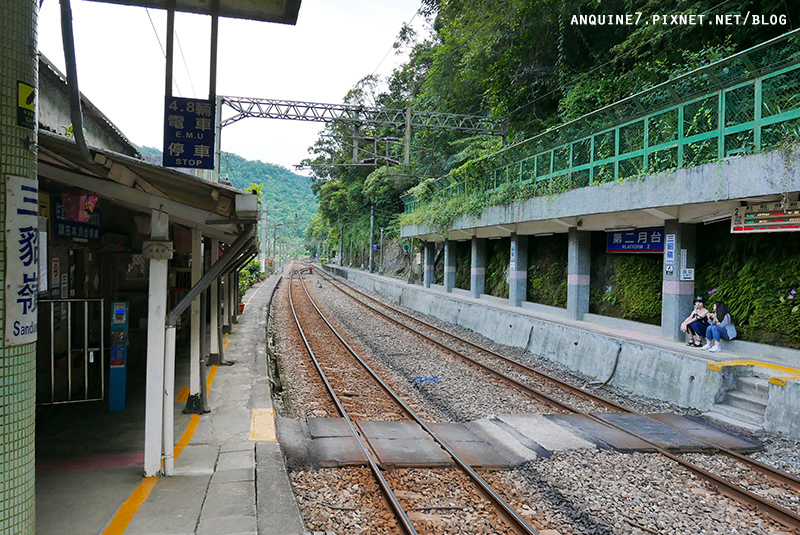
point(477, 277)
point(518, 270)
point(677, 295)
point(234, 308)
point(193, 404)
point(213, 298)
point(225, 286)
point(578, 264)
point(235, 296)
point(204, 350)
point(156, 319)
point(449, 265)
point(429, 252)
point(18, 142)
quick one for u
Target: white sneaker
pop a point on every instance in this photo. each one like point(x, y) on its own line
point(715, 349)
point(707, 346)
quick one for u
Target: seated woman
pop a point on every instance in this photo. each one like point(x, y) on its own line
point(696, 323)
point(720, 327)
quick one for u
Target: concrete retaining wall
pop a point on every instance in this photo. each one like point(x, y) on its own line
point(783, 411)
point(642, 368)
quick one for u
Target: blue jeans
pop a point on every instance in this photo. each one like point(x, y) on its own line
point(698, 328)
point(716, 332)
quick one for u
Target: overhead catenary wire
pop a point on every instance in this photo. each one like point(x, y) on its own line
point(393, 44)
point(185, 65)
point(161, 46)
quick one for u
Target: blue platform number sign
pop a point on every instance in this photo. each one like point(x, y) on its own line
point(189, 133)
point(22, 260)
point(648, 240)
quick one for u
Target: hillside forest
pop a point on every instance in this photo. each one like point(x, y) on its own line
point(529, 62)
point(286, 196)
point(525, 60)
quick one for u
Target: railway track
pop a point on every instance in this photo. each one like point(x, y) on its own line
point(775, 482)
point(512, 519)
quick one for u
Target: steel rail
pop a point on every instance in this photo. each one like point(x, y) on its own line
point(510, 513)
point(774, 511)
point(772, 473)
point(387, 490)
point(525, 388)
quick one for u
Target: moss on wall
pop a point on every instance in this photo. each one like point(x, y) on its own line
point(625, 286)
point(498, 256)
point(758, 277)
point(463, 264)
point(547, 270)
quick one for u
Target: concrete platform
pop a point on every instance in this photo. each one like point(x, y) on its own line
point(90, 462)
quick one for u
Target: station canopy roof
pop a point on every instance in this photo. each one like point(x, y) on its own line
point(142, 186)
point(280, 11)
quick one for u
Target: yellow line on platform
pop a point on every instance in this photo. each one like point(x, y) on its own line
point(254, 294)
point(717, 366)
point(125, 513)
point(128, 509)
point(187, 435)
point(210, 379)
point(781, 380)
point(262, 425)
point(183, 395)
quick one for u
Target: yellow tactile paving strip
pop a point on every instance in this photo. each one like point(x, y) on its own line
point(262, 425)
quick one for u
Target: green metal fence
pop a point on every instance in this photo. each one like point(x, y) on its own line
point(746, 103)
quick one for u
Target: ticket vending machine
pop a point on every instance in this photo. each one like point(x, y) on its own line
point(119, 356)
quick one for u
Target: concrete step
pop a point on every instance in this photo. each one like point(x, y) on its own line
point(728, 415)
point(748, 402)
point(754, 386)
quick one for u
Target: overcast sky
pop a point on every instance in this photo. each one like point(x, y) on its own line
point(121, 64)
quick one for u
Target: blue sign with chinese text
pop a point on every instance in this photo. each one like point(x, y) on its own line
point(648, 240)
point(189, 133)
point(21, 260)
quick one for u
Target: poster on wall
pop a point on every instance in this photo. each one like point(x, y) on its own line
point(22, 260)
point(83, 227)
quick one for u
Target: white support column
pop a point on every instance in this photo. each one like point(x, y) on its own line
point(168, 428)
point(157, 307)
point(214, 297)
point(195, 359)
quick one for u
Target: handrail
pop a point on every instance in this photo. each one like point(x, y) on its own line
point(684, 107)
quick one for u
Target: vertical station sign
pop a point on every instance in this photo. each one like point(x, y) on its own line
point(189, 133)
point(22, 260)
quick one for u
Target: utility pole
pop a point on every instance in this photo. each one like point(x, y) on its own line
point(380, 266)
point(371, 234)
point(341, 243)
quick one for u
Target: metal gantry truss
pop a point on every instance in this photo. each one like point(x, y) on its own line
point(361, 115)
